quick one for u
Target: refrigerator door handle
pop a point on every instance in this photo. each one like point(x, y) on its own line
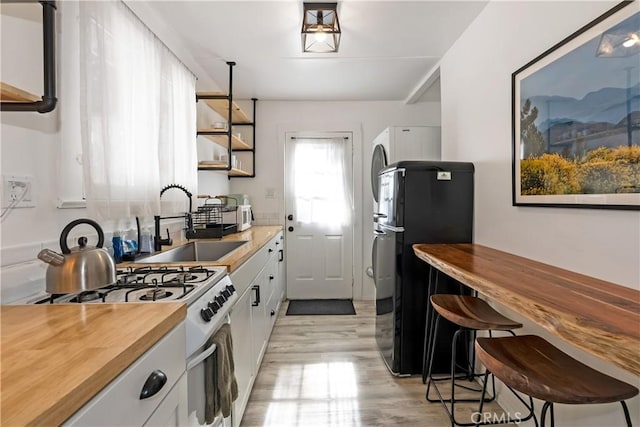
point(391, 228)
point(373, 257)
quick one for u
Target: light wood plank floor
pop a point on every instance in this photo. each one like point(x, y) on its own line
point(326, 371)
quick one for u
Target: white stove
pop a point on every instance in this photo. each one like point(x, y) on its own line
point(207, 291)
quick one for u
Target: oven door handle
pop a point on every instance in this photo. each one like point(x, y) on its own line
point(199, 358)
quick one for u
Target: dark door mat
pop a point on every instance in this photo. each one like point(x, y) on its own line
point(307, 307)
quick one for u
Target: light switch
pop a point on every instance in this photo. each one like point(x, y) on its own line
point(270, 193)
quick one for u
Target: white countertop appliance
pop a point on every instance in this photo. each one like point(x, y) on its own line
point(242, 216)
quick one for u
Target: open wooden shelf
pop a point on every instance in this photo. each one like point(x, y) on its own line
point(10, 93)
point(208, 166)
point(223, 140)
point(221, 106)
point(238, 172)
point(221, 167)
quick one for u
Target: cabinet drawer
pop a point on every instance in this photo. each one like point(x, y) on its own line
point(247, 272)
point(273, 305)
point(119, 402)
point(173, 409)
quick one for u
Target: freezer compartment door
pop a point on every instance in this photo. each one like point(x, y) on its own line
point(390, 198)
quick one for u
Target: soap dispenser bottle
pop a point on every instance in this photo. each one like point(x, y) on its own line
point(118, 248)
point(146, 241)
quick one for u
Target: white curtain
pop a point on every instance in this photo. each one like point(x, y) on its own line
point(137, 102)
point(178, 157)
point(321, 181)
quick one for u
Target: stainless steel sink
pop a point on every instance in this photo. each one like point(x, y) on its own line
point(196, 251)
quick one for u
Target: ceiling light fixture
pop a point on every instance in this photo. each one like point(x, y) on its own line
point(633, 39)
point(621, 40)
point(320, 28)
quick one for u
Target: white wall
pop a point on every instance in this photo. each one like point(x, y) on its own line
point(366, 119)
point(45, 146)
point(476, 126)
point(29, 146)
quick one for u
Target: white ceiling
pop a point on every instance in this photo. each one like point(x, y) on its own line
point(388, 49)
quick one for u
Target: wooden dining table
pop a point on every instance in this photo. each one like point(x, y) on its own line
point(599, 317)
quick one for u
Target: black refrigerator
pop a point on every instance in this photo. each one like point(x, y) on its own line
point(418, 202)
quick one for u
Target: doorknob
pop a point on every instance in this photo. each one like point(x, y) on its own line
point(290, 228)
point(290, 217)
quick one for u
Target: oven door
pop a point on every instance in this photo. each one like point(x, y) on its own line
point(197, 398)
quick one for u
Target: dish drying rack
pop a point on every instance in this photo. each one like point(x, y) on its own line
point(208, 220)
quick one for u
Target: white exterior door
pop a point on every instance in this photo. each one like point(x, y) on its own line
point(319, 216)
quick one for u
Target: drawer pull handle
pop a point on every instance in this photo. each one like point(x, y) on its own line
point(281, 255)
point(153, 384)
point(257, 301)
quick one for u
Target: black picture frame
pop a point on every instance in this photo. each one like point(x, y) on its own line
point(576, 118)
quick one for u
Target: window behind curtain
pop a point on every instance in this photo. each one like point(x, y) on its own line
point(138, 115)
point(320, 181)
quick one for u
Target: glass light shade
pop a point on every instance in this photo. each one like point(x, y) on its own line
point(621, 40)
point(320, 28)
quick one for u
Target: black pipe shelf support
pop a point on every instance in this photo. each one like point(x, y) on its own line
point(229, 97)
point(49, 100)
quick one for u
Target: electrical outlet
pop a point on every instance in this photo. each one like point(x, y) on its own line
point(17, 191)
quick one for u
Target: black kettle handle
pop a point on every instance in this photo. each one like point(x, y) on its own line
point(67, 229)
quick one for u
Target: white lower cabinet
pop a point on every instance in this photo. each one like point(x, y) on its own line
point(120, 402)
point(172, 411)
point(259, 325)
point(253, 316)
point(281, 287)
point(242, 354)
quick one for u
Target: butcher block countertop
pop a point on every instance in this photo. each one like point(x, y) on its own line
point(257, 236)
point(599, 317)
point(55, 358)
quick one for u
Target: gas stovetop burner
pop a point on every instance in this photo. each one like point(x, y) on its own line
point(155, 294)
point(146, 284)
point(87, 296)
point(124, 279)
point(181, 278)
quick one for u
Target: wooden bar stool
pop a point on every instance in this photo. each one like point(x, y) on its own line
point(471, 314)
point(535, 367)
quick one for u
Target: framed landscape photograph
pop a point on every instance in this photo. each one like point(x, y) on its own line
point(576, 118)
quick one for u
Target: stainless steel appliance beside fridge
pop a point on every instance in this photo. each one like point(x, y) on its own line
point(418, 202)
point(397, 143)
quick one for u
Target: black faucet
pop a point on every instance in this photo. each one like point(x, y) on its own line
point(158, 241)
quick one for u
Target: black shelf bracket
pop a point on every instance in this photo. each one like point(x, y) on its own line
point(231, 124)
point(49, 100)
point(253, 150)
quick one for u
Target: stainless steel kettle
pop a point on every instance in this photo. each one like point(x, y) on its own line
point(81, 268)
